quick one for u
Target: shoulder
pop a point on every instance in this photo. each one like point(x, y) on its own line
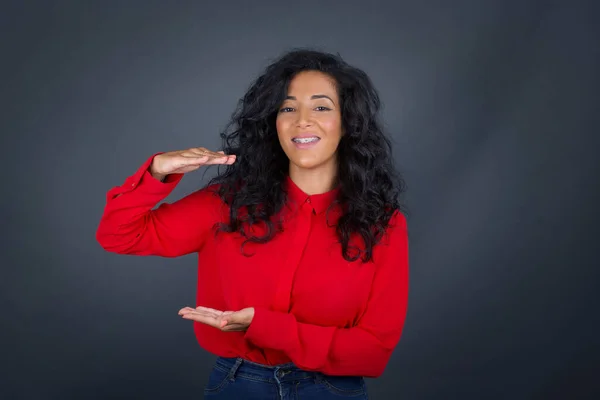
point(397, 223)
point(210, 190)
point(209, 193)
point(398, 219)
point(396, 233)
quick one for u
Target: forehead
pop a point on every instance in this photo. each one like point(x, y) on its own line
point(312, 82)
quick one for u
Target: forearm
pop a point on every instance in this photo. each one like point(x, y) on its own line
point(330, 350)
point(127, 216)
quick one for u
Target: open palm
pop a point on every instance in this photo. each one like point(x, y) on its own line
point(224, 320)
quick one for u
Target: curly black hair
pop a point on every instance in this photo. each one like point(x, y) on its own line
point(253, 187)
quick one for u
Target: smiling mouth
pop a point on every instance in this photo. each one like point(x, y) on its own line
point(306, 140)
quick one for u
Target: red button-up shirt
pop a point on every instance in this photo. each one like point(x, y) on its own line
point(312, 307)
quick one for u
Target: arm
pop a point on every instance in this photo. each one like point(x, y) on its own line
point(362, 350)
point(130, 226)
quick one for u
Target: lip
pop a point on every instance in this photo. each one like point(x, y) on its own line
point(305, 145)
point(304, 135)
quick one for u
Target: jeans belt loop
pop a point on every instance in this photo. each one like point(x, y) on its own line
point(233, 370)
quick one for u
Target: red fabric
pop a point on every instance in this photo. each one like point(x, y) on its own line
point(312, 307)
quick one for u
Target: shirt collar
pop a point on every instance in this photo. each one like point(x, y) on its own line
point(319, 202)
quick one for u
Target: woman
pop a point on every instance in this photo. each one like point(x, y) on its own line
point(302, 245)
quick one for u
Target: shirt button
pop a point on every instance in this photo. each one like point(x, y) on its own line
point(308, 201)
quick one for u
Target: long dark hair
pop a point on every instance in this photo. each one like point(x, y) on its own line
point(253, 186)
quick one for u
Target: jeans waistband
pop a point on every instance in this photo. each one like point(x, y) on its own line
point(282, 372)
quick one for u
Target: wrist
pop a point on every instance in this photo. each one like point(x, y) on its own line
point(155, 171)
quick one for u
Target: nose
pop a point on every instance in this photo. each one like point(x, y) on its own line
point(304, 119)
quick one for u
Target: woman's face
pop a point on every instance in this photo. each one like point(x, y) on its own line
point(309, 122)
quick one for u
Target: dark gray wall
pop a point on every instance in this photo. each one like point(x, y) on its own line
point(493, 108)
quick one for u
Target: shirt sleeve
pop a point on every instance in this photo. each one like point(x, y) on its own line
point(130, 225)
point(362, 350)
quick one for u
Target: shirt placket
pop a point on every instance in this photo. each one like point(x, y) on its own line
point(296, 250)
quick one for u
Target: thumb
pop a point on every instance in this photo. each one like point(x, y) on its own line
point(229, 317)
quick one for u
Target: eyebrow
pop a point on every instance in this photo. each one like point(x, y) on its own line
point(314, 96)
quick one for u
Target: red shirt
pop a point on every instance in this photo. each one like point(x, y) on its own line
point(312, 307)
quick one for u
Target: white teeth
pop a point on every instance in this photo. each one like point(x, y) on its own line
point(305, 140)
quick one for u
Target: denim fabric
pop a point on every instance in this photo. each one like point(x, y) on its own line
point(238, 379)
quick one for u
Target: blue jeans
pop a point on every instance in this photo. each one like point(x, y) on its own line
point(238, 379)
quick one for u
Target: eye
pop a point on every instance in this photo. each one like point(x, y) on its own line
point(322, 108)
point(286, 109)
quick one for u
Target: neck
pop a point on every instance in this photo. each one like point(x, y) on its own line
point(314, 181)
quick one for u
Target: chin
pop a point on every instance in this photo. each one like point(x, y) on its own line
point(306, 164)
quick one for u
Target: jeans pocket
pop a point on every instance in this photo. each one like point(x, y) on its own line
point(350, 386)
point(217, 380)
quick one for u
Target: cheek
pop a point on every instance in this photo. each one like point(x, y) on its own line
point(280, 128)
point(333, 127)
point(282, 125)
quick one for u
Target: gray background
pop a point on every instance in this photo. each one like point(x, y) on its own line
point(493, 106)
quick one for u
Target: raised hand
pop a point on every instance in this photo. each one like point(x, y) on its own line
point(183, 161)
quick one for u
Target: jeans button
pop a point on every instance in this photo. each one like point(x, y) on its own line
point(280, 374)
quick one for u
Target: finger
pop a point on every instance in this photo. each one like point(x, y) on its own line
point(185, 310)
point(208, 314)
point(209, 310)
point(230, 157)
point(223, 159)
point(231, 318)
point(195, 162)
point(210, 159)
point(204, 313)
point(192, 160)
point(228, 160)
point(234, 327)
point(203, 318)
point(201, 151)
point(196, 157)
